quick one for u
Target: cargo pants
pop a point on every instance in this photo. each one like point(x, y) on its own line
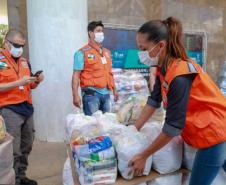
point(22, 129)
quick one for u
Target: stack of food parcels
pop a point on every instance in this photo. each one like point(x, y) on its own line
point(7, 174)
point(92, 139)
point(128, 83)
point(92, 151)
point(222, 78)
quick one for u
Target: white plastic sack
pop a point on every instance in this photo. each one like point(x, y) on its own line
point(7, 175)
point(167, 180)
point(108, 121)
point(128, 143)
point(79, 125)
point(169, 158)
point(67, 173)
point(188, 156)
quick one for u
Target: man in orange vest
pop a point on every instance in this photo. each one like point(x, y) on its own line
point(92, 68)
point(16, 82)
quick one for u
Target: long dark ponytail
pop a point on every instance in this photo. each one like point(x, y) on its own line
point(169, 30)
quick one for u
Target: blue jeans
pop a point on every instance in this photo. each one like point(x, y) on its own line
point(95, 102)
point(207, 164)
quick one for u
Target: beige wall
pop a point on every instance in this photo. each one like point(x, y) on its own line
point(17, 15)
point(196, 15)
point(3, 12)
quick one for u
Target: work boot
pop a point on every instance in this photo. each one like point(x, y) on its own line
point(26, 181)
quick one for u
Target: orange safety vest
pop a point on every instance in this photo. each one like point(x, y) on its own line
point(97, 70)
point(205, 123)
point(12, 72)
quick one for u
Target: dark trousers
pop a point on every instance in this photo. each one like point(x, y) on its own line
point(22, 129)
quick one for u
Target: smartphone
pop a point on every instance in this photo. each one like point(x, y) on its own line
point(37, 73)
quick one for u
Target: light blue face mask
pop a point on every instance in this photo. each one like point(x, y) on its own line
point(147, 60)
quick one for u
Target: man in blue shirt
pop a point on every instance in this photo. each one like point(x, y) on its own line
point(92, 70)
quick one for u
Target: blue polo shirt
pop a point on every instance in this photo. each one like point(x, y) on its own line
point(79, 66)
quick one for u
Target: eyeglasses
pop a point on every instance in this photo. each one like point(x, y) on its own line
point(15, 44)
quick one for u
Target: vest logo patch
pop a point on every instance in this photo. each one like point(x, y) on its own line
point(3, 65)
point(91, 56)
point(25, 64)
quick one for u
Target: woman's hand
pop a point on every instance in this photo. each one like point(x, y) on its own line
point(138, 163)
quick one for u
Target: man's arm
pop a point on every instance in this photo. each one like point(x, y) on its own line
point(21, 82)
point(75, 86)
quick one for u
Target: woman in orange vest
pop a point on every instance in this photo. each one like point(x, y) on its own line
point(195, 107)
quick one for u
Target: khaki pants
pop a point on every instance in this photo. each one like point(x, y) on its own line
point(22, 129)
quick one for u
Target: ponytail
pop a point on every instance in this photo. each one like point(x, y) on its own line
point(169, 30)
point(175, 46)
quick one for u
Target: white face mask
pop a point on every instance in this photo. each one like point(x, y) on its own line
point(99, 37)
point(16, 52)
point(147, 60)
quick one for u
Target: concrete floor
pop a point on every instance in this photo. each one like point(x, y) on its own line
point(46, 163)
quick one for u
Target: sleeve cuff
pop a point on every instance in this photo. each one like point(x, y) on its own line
point(153, 103)
point(171, 130)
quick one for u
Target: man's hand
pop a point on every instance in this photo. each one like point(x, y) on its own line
point(116, 96)
point(138, 163)
point(77, 101)
point(39, 78)
point(26, 80)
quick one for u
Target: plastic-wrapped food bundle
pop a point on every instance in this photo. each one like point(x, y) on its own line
point(108, 121)
point(169, 158)
point(96, 161)
point(131, 108)
point(222, 78)
point(81, 128)
point(128, 83)
point(7, 175)
point(128, 142)
point(167, 180)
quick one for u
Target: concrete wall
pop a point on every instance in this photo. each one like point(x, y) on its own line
point(56, 29)
point(196, 15)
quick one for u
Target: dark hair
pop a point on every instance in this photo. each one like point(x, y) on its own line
point(92, 25)
point(169, 30)
point(12, 33)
